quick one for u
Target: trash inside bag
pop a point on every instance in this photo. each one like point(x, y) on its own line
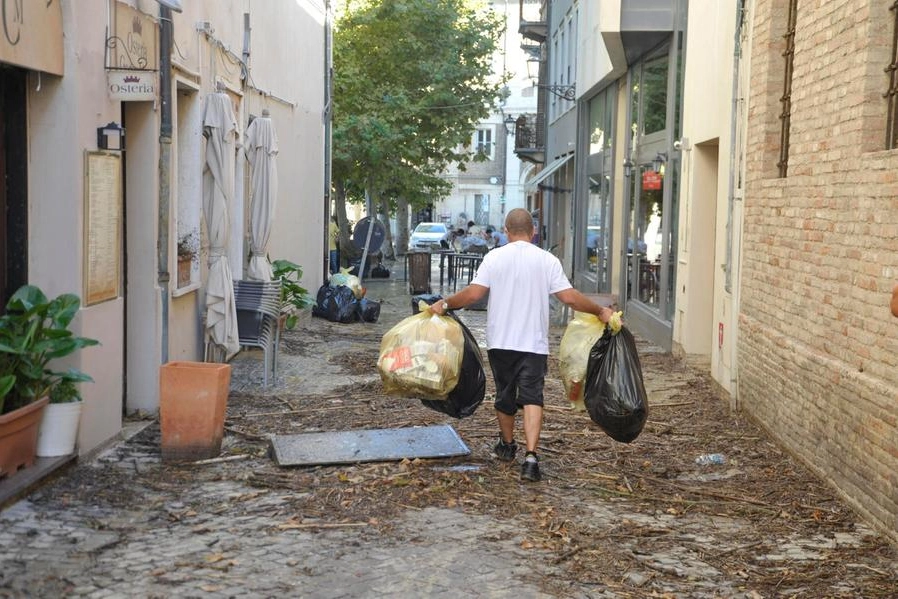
point(615, 394)
point(468, 394)
point(421, 356)
point(581, 334)
point(336, 304)
point(369, 310)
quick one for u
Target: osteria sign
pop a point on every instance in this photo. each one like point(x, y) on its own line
point(131, 86)
point(31, 34)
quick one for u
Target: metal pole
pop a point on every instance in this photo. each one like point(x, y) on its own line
point(165, 161)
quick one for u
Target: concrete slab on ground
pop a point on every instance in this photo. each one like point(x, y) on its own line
point(373, 445)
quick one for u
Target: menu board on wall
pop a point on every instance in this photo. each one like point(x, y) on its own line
point(102, 226)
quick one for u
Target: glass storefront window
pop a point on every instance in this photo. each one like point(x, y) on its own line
point(654, 92)
point(598, 132)
point(644, 246)
point(595, 219)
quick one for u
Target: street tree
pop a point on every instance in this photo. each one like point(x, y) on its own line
point(412, 78)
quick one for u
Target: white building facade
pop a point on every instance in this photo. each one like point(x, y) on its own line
point(104, 223)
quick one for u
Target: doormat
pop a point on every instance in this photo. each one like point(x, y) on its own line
point(371, 445)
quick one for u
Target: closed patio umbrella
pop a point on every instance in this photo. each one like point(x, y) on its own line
point(261, 150)
point(220, 131)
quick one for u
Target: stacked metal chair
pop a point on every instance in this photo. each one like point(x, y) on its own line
point(258, 306)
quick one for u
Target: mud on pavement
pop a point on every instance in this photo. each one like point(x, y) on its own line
point(608, 520)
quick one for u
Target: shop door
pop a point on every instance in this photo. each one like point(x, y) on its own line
point(13, 183)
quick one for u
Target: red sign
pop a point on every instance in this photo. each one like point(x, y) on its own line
point(651, 180)
point(719, 335)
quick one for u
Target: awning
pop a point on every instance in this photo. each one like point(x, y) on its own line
point(547, 171)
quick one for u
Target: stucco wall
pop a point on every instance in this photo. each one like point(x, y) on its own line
point(818, 348)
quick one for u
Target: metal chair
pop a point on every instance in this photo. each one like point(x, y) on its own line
point(258, 306)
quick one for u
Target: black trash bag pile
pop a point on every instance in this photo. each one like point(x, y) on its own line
point(468, 394)
point(338, 303)
point(615, 394)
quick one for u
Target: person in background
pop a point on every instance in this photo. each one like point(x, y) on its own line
point(894, 303)
point(519, 277)
point(333, 237)
point(498, 237)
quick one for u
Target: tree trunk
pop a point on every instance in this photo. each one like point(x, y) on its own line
point(401, 226)
point(387, 248)
point(347, 250)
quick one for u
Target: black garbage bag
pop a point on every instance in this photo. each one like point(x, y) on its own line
point(369, 310)
point(337, 304)
point(615, 394)
point(380, 272)
point(428, 298)
point(468, 394)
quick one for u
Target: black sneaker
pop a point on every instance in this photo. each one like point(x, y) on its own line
point(530, 468)
point(505, 451)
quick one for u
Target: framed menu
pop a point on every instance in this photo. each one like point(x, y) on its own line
point(102, 226)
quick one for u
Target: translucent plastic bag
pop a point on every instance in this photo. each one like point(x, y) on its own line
point(344, 278)
point(615, 395)
point(581, 334)
point(421, 356)
point(468, 394)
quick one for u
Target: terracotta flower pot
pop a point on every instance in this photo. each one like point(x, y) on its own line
point(192, 401)
point(18, 437)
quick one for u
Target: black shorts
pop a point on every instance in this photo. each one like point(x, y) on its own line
point(519, 378)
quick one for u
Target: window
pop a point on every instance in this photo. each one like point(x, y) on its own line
point(483, 142)
point(786, 100)
point(892, 94)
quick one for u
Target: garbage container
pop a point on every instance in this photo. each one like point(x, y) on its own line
point(418, 272)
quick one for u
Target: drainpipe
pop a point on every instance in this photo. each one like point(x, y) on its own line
point(731, 200)
point(328, 124)
point(165, 160)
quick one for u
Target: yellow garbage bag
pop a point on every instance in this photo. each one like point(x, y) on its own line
point(421, 356)
point(581, 334)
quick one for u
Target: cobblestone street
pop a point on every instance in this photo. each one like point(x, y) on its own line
point(609, 520)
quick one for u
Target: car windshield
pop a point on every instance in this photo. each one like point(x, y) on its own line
point(430, 228)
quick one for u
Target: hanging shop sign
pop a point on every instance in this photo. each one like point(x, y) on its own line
point(133, 42)
point(651, 180)
point(31, 35)
point(132, 86)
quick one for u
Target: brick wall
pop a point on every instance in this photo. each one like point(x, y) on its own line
point(818, 351)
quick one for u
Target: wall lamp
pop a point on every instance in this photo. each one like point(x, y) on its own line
point(628, 168)
point(509, 123)
point(659, 161)
point(111, 137)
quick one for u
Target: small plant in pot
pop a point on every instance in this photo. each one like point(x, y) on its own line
point(188, 246)
point(293, 296)
point(34, 332)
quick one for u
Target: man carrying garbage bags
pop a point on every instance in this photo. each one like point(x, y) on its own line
point(519, 277)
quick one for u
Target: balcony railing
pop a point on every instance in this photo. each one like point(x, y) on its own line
point(530, 137)
point(532, 20)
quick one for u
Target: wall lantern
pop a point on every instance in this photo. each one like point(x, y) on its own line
point(510, 124)
point(659, 161)
point(111, 137)
point(628, 168)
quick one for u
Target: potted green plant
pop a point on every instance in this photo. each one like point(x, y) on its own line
point(294, 297)
point(34, 331)
point(188, 245)
point(58, 430)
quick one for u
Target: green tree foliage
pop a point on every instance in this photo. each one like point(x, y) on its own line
point(411, 80)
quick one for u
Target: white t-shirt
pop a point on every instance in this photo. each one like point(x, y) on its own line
point(520, 277)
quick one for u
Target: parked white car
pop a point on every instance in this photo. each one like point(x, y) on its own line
point(427, 236)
